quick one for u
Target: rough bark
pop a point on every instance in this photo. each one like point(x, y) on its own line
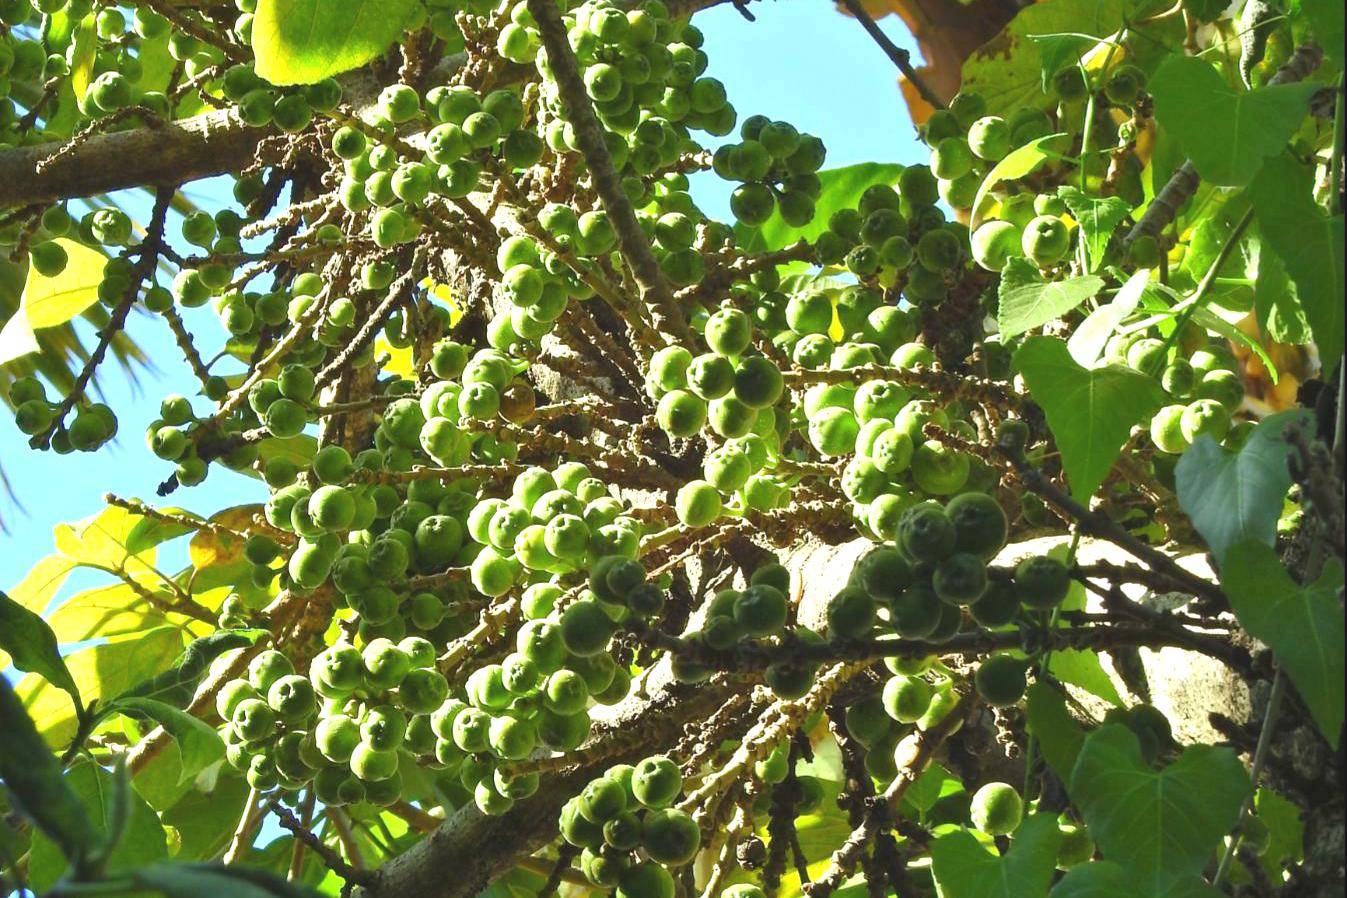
point(208, 144)
point(470, 849)
point(204, 145)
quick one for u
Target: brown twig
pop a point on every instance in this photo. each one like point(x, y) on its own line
point(897, 55)
point(144, 268)
point(667, 317)
point(334, 861)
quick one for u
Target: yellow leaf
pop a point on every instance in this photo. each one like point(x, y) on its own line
point(105, 612)
point(445, 295)
point(49, 301)
point(37, 587)
point(102, 672)
point(83, 52)
point(101, 541)
point(208, 549)
point(399, 360)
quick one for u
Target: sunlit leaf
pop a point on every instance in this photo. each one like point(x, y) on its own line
point(100, 671)
point(305, 41)
point(1227, 133)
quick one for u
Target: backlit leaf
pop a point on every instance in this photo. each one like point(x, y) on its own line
point(305, 41)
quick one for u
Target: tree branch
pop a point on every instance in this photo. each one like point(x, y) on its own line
point(900, 57)
point(145, 263)
point(478, 848)
point(635, 246)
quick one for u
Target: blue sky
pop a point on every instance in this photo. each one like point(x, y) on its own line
point(800, 61)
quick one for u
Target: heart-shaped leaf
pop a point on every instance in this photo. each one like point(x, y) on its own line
point(1162, 826)
point(1302, 624)
point(1101, 879)
point(1091, 413)
point(964, 869)
point(1027, 301)
point(1098, 218)
point(1227, 133)
point(1232, 496)
point(1105, 879)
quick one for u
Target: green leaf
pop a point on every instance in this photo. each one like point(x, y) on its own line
point(1205, 317)
point(1028, 301)
point(1310, 245)
point(31, 645)
point(1303, 625)
point(1162, 826)
point(1082, 668)
point(1018, 162)
point(1091, 413)
point(1090, 337)
point(1286, 831)
point(1059, 735)
point(964, 869)
point(1098, 218)
point(1276, 302)
point(1099, 879)
point(1105, 879)
point(1007, 70)
point(198, 743)
point(935, 783)
point(1227, 133)
point(177, 684)
point(147, 532)
point(51, 301)
point(839, 188)
point(33, 777)
point(1216, 226)
point(142, 840)
point(518, 883)
point(1326, 19)
point(83, 53)
point(1234, 496)
point(196, 880)
point(305, 41)
point(205, 820)
point(1057, 51)
point(102, 671)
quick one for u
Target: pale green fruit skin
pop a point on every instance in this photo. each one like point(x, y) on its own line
point(1046, 240)
point(994, 242)
point(1076, 848)
point(997, 809)
point(1166, 429)
point(1205, 417)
